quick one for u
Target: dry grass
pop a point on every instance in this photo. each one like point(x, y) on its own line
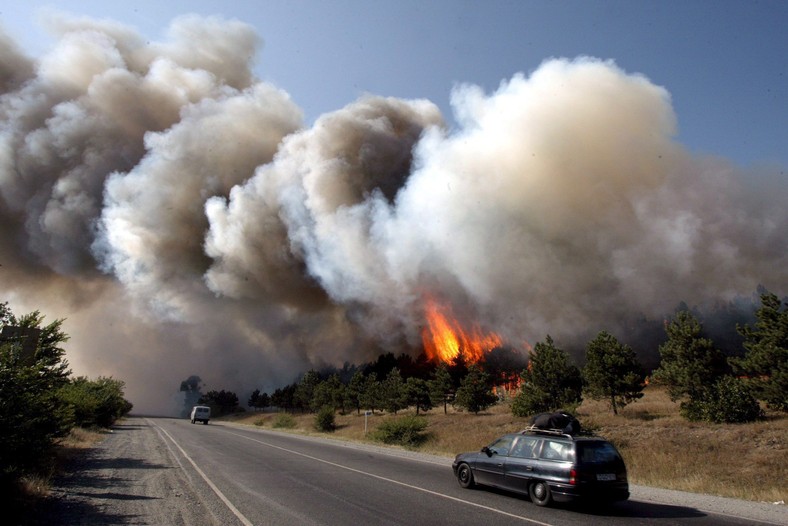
point(745, 461)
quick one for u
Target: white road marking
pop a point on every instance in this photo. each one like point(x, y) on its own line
point(418, 488)
point(232, 508)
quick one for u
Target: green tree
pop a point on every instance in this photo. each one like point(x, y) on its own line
point(32, 416)
point(417, 393)
point(549, 382)
point(476, 391)
point(689, 364)
point(394, 397)
point(612, 372)
point(372, 396)
point(284, 397)
point(221, 402)
point(441, 387)
point(331, 393)
point(355, 390)
point(765, 362)
point(305, 392)
point(253, 399)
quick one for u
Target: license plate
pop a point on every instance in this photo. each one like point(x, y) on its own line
point(606, 476)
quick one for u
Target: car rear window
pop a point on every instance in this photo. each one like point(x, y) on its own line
point(597, 452)
point(555, 450)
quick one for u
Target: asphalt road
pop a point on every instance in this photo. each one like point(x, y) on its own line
point(168, 471)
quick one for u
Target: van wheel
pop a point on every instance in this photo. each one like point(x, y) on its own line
point(204, 422)
point(192, 421)
point(540, 493)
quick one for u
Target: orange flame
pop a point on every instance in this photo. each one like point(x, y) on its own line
point(444, 337)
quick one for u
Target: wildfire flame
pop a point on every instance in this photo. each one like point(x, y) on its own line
point(443, 336)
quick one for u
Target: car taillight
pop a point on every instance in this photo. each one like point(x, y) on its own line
point(573, 476)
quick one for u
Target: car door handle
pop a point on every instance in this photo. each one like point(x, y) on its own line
point(529, 468)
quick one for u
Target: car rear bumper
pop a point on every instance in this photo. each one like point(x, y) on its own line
point(608, 493)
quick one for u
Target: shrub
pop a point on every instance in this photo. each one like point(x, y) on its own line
point(284, 421)
point(406, 431)
point(728, 401)
point(96, 403)
point(324, 419)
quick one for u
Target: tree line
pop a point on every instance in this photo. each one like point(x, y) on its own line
point(40, 400)
point(709, 384)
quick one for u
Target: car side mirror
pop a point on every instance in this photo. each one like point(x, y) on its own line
point(489, 452)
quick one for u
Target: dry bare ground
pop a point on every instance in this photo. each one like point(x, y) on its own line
point(661, 449)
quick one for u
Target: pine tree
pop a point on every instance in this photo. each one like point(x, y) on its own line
point(441, 387)
point(612, 372)
point(766, 360)
point(689, 363)
point(476, 391)
point(549, 382)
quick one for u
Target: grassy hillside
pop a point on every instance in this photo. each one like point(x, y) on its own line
point(746, 461)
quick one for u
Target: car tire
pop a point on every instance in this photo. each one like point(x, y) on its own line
point(192, 421)
point(465, 476)
point(540, 493)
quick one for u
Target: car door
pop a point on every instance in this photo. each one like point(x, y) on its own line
point(490, 463)
point(555, 461)
point(521, 463)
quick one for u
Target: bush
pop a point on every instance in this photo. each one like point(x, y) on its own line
point(284, 421)
point(406, 431)
point(728, 401)
point(95, 403)
point(324, 419)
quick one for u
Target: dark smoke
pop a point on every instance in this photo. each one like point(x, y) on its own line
point(177, 212)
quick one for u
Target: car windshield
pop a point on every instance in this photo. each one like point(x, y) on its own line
point(597, 452)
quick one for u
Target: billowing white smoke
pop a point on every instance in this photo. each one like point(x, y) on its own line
point(176, 211)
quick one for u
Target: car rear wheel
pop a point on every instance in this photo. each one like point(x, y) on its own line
point(540, 493)
point(465, 476)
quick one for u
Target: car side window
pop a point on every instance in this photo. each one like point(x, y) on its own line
point(501, 446)
point(524, 447)
point(555, 450)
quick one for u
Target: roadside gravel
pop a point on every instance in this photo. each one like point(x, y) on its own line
point(131, 477)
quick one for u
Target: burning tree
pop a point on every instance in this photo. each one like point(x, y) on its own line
point(445, 339)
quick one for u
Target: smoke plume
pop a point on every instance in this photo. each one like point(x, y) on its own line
point(183, 219)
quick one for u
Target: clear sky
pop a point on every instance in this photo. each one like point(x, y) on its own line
point(723, 62)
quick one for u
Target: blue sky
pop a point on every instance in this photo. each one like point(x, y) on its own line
point(722, 61)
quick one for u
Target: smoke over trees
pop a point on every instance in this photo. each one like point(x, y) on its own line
point(183, 217)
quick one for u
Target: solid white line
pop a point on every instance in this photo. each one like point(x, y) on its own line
point(418, 488)
point(241, 517)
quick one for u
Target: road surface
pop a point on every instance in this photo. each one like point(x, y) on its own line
point(163, 471)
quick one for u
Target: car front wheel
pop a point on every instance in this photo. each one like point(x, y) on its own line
point(465, 476)
point(540, 493)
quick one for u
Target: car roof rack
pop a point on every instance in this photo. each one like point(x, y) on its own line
point(542, 431)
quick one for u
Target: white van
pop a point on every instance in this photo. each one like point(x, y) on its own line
point(201, 413)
